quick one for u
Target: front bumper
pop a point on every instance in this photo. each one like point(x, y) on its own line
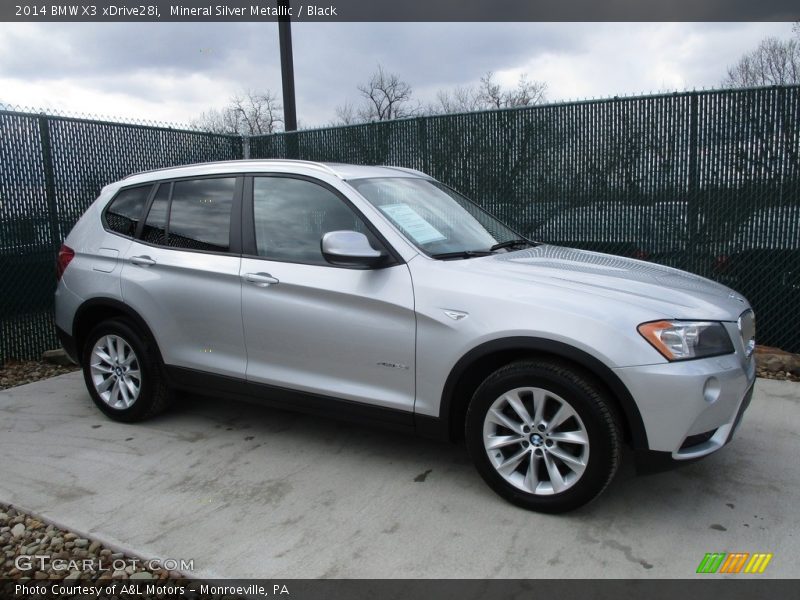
point(692, 408)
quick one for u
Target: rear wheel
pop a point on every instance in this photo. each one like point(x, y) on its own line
point(543, 435)
point(121, 371)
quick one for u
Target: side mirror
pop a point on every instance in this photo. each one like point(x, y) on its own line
point(350, 249)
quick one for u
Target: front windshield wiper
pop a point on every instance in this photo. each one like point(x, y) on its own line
point(511, 244)
point(461, 254)
point(475, 253)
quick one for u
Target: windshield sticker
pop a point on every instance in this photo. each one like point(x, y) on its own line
point(412, 223)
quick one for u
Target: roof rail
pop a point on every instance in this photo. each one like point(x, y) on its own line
point(309, 163)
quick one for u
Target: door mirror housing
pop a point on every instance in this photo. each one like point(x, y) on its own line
point(350, 249)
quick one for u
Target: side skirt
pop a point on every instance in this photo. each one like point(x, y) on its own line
point(209, 384)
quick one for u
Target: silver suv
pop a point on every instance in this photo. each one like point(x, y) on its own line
point(380, 295)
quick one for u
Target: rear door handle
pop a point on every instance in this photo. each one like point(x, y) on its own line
point(143, 261)
point(260, 279)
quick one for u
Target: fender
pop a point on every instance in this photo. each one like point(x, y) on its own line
point(626, 402)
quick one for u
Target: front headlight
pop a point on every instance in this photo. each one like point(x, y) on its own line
point(684, 340)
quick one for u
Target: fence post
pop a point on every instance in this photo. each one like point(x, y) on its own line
point(422, 134)
point(245, 147)
point(693, 195)
point(779, 141)
point(49, 181)
point(292, 144)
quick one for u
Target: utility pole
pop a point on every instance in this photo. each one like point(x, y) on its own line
point(287, 67)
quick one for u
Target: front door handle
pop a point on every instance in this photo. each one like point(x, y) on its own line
point(260, 279)
point(143, 261)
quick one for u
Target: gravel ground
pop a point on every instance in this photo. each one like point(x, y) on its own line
point(23, 537)
point(780, 375)
point(35, 553)
point(20, 372)
point(774, 363)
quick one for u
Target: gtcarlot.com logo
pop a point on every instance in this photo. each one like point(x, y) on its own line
point(734, 562)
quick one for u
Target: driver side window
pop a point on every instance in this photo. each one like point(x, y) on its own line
point(292, 215)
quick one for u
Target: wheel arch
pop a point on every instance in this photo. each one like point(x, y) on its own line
point(472, 368)
point(97, 310)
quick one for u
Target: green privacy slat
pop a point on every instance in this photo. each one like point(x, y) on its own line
point(703, 181)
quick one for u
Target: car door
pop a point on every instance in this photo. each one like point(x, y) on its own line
point(310, 326)
point(181, 274)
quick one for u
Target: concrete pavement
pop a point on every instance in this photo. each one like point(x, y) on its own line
point(248, 491)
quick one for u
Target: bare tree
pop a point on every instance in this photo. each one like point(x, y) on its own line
point(459, 99)
point(773, 62)
point(527, 93)
point(384, 97)
point(387, 97)
point(346, 114)
point(489, 94)
point(248, 113)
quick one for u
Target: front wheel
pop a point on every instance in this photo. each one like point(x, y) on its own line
point(122, 372)
point(543, 435)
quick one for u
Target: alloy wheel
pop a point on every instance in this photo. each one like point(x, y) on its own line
point(115, 372)
point(536, 441)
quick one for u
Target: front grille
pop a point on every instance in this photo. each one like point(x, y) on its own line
point(697, 439)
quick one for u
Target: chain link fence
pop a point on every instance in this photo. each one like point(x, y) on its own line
point(51, 168)
point(703, 181)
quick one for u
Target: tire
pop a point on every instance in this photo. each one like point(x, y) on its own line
point(145, 394)
point(516, 454)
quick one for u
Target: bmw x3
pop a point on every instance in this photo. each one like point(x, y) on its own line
point(380, 295)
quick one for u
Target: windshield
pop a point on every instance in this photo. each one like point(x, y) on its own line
point(436, 219)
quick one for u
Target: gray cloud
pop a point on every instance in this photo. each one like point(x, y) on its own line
point(74, 49)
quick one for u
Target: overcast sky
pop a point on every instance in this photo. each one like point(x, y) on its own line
point(174, 71)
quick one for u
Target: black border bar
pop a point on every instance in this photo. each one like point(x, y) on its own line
point(703, 587)
point(399, 11)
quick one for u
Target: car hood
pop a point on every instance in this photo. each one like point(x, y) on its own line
point(670, 292)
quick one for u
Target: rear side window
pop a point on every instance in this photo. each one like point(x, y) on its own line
point(125, 211)
point(194, 214)
point(200, 215)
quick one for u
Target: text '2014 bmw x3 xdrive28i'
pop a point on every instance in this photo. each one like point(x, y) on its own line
point(378, 294)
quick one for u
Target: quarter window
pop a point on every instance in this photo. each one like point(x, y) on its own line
point(292, 215)
point(125, 212)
